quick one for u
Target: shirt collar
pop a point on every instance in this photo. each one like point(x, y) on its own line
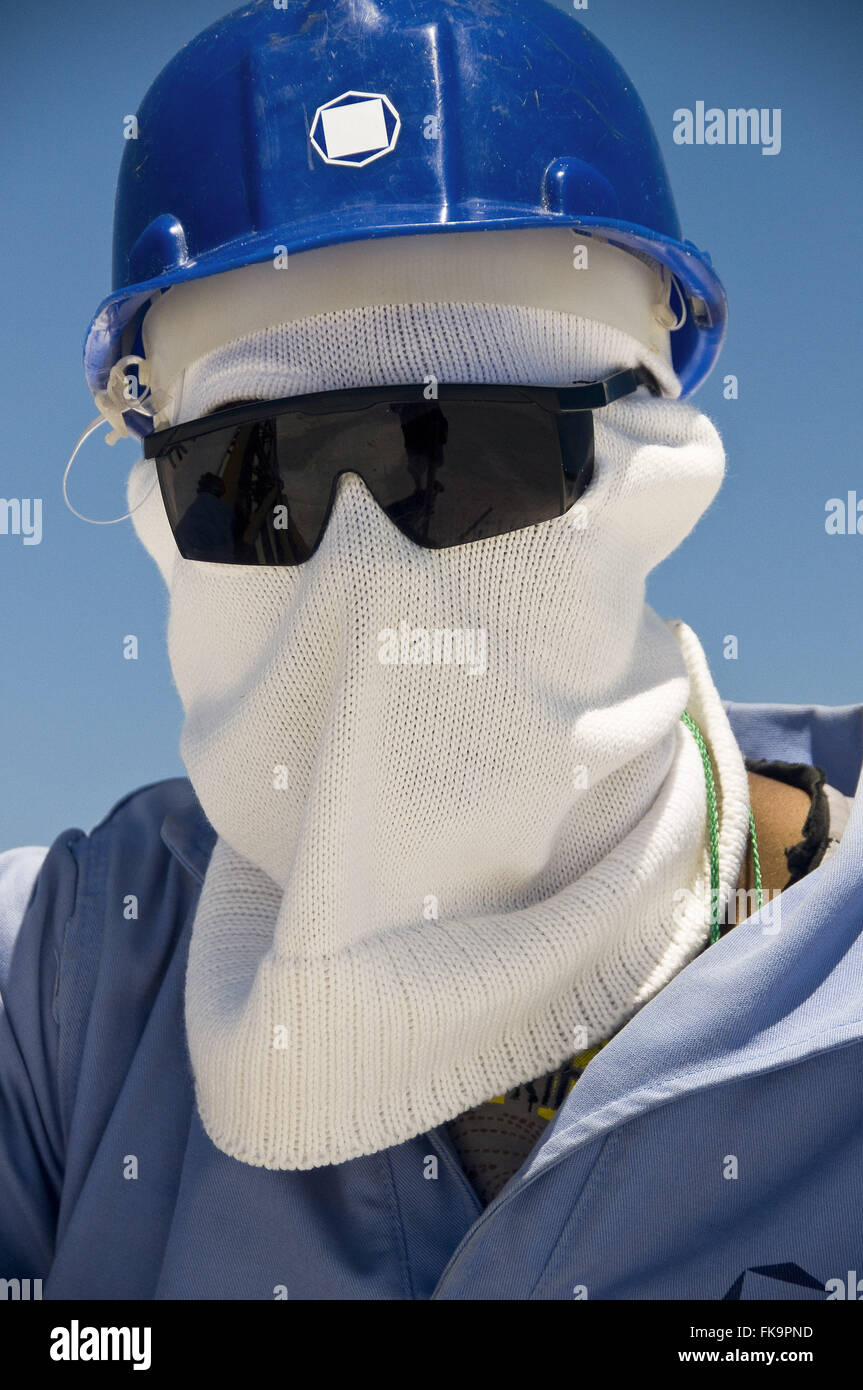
point(189, 835)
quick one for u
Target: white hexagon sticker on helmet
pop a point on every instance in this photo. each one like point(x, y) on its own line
point(355, 129)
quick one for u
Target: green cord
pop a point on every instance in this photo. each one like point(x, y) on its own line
point(713, 830)
point(756, 861)
point(712, 823)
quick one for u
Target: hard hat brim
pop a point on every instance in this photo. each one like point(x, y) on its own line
point(695, 345)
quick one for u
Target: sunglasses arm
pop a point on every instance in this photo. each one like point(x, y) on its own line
point(596, 394)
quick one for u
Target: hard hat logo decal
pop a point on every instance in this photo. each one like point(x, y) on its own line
point(355, 129)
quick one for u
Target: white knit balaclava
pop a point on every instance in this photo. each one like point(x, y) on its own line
point(462, 830)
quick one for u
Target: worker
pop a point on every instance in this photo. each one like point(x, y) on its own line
point(534, 976)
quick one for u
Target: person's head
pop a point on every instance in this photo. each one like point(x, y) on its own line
point(405, 692)
point(394, 260)
point(212, 483)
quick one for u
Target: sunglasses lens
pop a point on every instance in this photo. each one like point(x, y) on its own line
point(454, 472)
point(446, 472)
point(232, 498)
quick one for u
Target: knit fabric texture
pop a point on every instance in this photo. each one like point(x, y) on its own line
point(443, 864)
point(408, 343)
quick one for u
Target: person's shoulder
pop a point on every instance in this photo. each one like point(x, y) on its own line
point(829, 737)
point(154, 843)
point(133, 844)
point(94, 928)
point(148, 806)
point(804, 764)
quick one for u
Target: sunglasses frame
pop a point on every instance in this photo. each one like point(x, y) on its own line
point(562, 400)
point(566, 400)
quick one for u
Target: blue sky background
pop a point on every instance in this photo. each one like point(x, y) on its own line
point(81, 726)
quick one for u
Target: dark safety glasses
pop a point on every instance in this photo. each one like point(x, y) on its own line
point(255, 484)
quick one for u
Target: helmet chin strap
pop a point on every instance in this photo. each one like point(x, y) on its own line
point(93, 521)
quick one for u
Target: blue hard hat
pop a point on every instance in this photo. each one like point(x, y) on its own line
point(311, 122)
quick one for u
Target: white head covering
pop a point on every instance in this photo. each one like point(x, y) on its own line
point(444, 863)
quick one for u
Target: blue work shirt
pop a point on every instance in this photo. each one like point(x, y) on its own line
point(713, 1149)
